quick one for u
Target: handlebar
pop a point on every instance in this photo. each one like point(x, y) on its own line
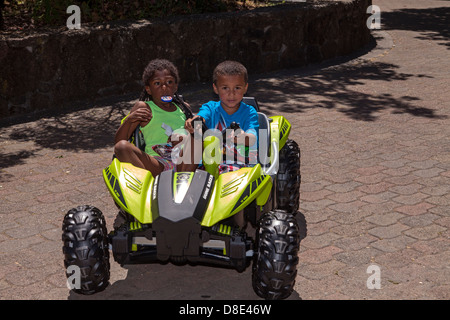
point(233, 126)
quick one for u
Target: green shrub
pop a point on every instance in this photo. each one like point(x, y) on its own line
point(53, 12)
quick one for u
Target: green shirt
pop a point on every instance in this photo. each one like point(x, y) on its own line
point(160, 127)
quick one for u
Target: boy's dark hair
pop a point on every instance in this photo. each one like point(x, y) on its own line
point(151, 68)
point(160, 65)
point(230, 68)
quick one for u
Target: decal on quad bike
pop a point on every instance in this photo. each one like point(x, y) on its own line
point(188, 203)
point(248, 191)
point(208, 187)
point(155, 188)
point(132, 182)
point(232, 186)
point(181, 185)
point(134, 226)
point(115, 186)
point(284, 129)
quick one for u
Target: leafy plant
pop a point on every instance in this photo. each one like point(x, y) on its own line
point(37, 13)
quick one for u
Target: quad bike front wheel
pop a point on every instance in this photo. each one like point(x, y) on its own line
point(288, 177)
point(86, 249)
point(275, 263)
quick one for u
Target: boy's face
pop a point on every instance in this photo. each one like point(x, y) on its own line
point(161, 84)
point(231, 90)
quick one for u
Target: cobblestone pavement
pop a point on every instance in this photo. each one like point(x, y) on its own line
point(374, 132)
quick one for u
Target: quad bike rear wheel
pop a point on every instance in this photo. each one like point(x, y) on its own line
point(86, 248)
point(275, 264)
point(288, 177)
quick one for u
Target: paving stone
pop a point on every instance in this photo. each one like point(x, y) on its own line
point(353, 230)
point(440, 201)
point(375, 188)
point(343, 187)
point(430, 247)
point(402, 180)
point(406, 190)
point(385, 219)
point(371, 179)
point(319, 271)
point(350, 218)
point(411, 198)
point(319, 241)
point(428, 173)
point(388, 232)
point(423, 164)
point(397, 259)
point(362, 257)
point(355, 243)
point(370, 170)
point(348, 207)
point(319, 255)
point(393, 244)
point(427, 232)
point(416, 209)
point(320, 227)
point(420, 220)
point(379, 198)
point(313, 186)
point(437, 191)
point(315, 195)
point(444, 221)
point(341, 197)
point(315, 205)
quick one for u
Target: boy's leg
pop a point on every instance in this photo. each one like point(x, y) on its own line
point(127, 152)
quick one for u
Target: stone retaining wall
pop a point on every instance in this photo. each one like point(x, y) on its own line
point(50, 69)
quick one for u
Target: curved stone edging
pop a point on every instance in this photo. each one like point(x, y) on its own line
point(48, 70)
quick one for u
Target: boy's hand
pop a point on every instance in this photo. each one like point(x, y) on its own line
point(176, 138)
point(189, 124)
point(141, 115)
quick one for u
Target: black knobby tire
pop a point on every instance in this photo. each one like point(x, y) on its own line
point(86, 247)
point(288, 177)
point(275, 264)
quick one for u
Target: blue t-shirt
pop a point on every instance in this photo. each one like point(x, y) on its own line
point(246, 116)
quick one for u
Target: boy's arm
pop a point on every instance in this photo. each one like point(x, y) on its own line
point(140, 114)
point(189, 124)
point(204, 112)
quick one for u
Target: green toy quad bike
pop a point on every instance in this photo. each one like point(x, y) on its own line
point(198, 217)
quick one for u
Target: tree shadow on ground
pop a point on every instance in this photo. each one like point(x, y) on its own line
point(81, 128)
point(341, 87)
point(85, 130)
point(431, 23)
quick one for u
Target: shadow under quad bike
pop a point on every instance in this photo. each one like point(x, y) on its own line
point(198, 217)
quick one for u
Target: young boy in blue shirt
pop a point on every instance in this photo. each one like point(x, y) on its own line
point(230, 82)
